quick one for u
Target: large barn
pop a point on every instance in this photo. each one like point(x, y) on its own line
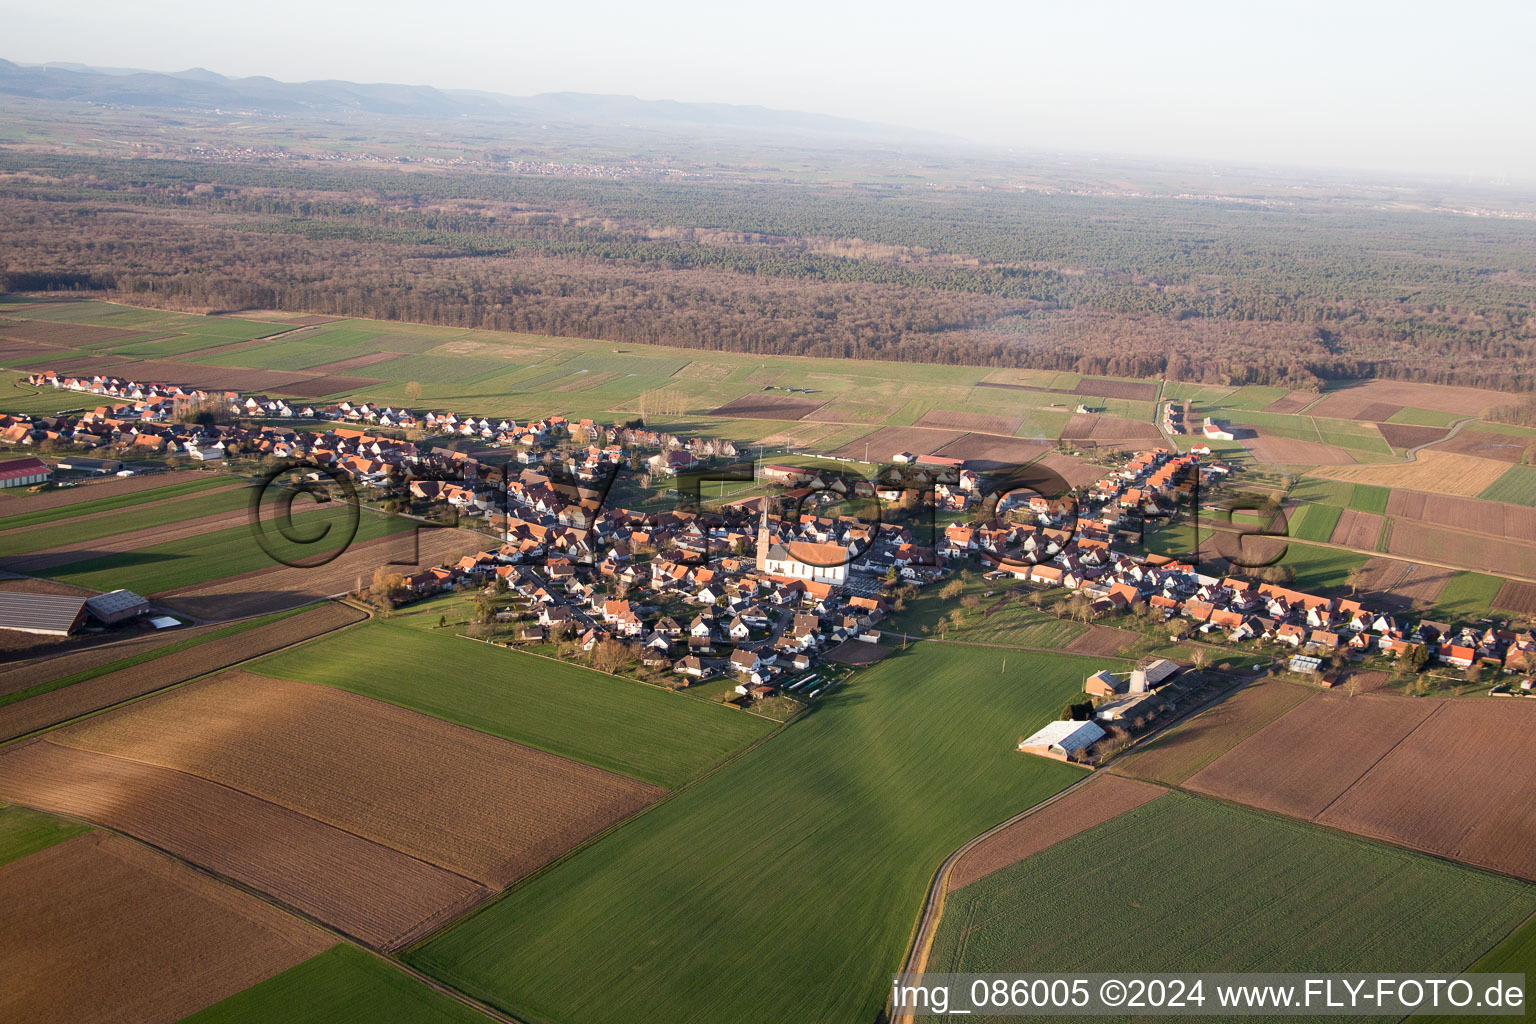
point(24, 472)
point(1062, 739)
point(47, 614)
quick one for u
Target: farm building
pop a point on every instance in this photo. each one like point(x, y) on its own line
point(1152, 675)
point(48, 614)
point(1062, 739)
point(1129, 709)
point(116, 606)
point(24, 472)
point(1104, 683)
point(101, 467)
point(1215, 431)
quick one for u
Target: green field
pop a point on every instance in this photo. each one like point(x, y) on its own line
point(1185, 883)
point(86, 507)
point(218, 554)
point(343, 985)
point(24, 831)
point(785, 886)
point(191, 506)
point(1515, 955)
point(1013, 623)
point(1517, 486)
point(1313, 522)
point(1321, 570)
point(1370, 498)
point(1467, 598)
point(1319, 491)
point(628, 727)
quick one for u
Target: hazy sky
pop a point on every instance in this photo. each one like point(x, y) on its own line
point(1410, 86)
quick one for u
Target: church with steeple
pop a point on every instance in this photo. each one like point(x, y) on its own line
point(799, 560)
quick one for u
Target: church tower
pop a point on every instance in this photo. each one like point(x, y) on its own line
point(763, 541)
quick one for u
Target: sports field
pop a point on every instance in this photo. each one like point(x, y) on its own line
point(641, 731)
point(1185, 883)
point(773, 859)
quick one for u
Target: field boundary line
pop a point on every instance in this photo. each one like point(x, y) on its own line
point(225, 668)
point(920, 944)
point(269, 803)
point(1384, 755)
point(590, 840)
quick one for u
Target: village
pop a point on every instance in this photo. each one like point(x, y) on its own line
point(764, 592)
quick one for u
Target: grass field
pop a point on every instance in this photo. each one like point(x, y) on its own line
point(808, 857)
point(217, 554)
point(1186, 883)
point(128, 519)
point(1014, 623)
point(1467, 598)
point(1321, 570)
point(637, 730)
point(343, 985)
point(24, 831)
point(1517, 486)
point(1369, 498)
point(86, 507)
point(1314, 522)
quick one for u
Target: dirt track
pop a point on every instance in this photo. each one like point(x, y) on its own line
point(98, 928)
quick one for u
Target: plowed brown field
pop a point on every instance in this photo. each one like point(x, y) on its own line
point(979, 421)
point(1102, 641)
point(1406, 435)
point(1519, 598)
point(1292, 403)
point(1286, 451)
point(1416, 540)
point(1094, 803)
point(1301, 763)
point(1357, 530)
point(1347, 403)
point(377, 895)
point(1459, 786)
point(1485, 444)
point(98, 928)
point(82, 698)
point(986, 452)
point(480, 806)
point(1093, 427)
point(1191, 745)
point(769, 407)
point(1513, 522)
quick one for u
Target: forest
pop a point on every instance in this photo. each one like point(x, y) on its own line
point(1292, 294)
